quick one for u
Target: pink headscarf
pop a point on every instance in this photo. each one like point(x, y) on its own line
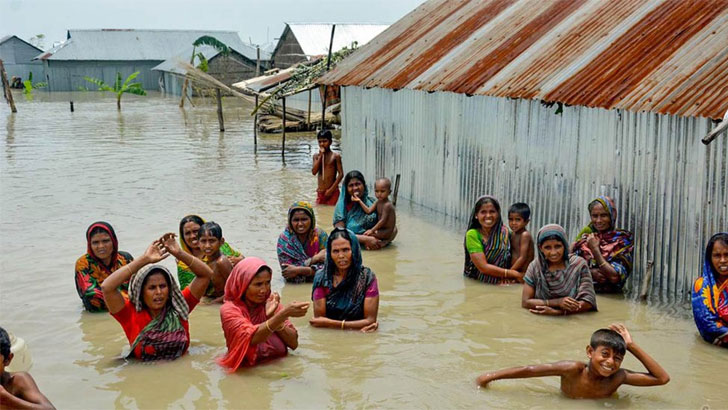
point(239, 323)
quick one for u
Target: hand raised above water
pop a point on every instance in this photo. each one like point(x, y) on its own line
point(296, 309)
point(170, 244)
point(272, 304)
point(622, 330)
point(155, 252)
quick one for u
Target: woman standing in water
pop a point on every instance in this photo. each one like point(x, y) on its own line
point(155, 318)
point(710, 292)
point(102, 257)
point(255, 323)
point(302, 246)
point(349, 214)
point(345, 293)
point(607, 250)
point(487, 245)
point(556, 283)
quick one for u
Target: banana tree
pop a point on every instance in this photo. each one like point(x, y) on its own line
point(221, 47)
point(119, 87)
point(29, 86)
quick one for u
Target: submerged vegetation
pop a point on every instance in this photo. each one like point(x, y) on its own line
point(28, 86)
point(119, 87)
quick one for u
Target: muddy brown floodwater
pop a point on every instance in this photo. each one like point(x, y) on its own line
point(146, 167)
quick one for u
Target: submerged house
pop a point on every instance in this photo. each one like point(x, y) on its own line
point(553, 103)
point(304, 41)
point(17, 55)
point(102, 53)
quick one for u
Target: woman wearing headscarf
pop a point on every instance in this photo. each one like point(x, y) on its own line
point(557, 283)
point(710, 292)
point(255, 324)
point(155, 318)
point(302, 246)
point(349, 214)
point(487, 245)
point(102, 257)
point(607, 250)
point(345, 293)
point(188, 228)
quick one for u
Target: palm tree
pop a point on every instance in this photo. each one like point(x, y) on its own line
point(119, 88)
point(221, 47)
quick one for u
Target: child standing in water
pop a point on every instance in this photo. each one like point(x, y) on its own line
point(210, 239)
point(17, 390)
point(327, 165)
point(519, 214)
point(385, 229)
point(601, 376)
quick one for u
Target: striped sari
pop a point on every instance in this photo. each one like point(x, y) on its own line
point(496, 247)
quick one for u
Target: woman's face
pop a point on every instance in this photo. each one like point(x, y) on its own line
point(189, 232)
point(301, 222)
point(600, 218)
point(341, 253)
point(553, 250)
point(155, 291)
point(259, 288)
point(101, 245)
point(719, 258)
point(487, 215)
point(355, 187)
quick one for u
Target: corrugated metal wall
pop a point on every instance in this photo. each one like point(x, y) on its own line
point(68, 75)
point(670, 190)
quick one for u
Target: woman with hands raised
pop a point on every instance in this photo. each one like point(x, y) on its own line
point(155, 318)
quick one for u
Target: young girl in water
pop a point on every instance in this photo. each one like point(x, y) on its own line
point(210, 239)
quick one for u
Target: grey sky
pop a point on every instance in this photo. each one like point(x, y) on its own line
point(252, 19)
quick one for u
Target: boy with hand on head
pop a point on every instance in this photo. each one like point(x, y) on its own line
point(385, 229)
point(17, 390)
point(601, 376)
point(327, 165)
point(519, 214)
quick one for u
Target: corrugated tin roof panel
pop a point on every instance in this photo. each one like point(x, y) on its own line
point(314, 38)
point(172, 64)
point(125, 45)
point(664, 56)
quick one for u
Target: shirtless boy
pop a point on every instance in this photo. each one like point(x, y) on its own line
point(519, 214)
point(210, 239)
point(601, 376)
point(386, 228)
point(327, 165)
point(17, 390)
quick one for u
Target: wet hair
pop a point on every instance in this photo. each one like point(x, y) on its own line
point(386, 181)
point(353, 175)
point(324, 135)
point(210, 228)
point(721, 237)
point(339, 233)
point(608, 338)
point(474, 224)
point(4, 343)
point(522, 209)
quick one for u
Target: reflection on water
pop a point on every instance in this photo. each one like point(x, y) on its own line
point(146, 167)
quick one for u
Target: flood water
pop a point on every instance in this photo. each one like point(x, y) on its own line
point(146, 167)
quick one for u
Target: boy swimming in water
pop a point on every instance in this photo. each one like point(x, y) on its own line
point(327, 165)
point(17, 390)
point(601, 376)
point(386, 227)
point(519, 214)
point(210, 239)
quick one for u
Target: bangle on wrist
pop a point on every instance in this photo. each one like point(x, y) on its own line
point(268, 327)
point(342, 324)
point(283, 326)
point(603, 263)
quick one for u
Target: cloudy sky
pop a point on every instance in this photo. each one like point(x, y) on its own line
point(259, 21)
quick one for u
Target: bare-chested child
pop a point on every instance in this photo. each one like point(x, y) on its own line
point(210, 239)
point(386, 228)
point(17, 390)
point(519, 214)
point(327, 165)
point(601, 376)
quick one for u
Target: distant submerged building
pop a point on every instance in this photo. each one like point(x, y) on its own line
point(17, 55)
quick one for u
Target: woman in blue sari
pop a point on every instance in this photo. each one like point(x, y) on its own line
point(349, 214)
point(710, 292)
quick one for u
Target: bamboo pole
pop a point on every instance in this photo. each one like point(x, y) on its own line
point(257, 63)
point(309, 108)
point(283, 147)
point(328, 64)
point(396, 189)
point(255, 123)
point(218, 96)
point(6, 88)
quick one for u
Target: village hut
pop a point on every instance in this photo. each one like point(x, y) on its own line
point(553, 103)
point(17, 55)
point(228, 69)
point(102, 53)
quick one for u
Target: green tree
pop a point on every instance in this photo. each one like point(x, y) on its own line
point(221, 47)
point(119, 87)
point(28, 86)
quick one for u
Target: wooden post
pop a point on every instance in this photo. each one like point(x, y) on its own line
point(218, 95)
point(646, 280)
point(6, 88)
point(283, 147)
point(308, 121)
point(328, 64)
point(255, 124)
point(71, 106)
point(257, 63)
point(396, 190)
